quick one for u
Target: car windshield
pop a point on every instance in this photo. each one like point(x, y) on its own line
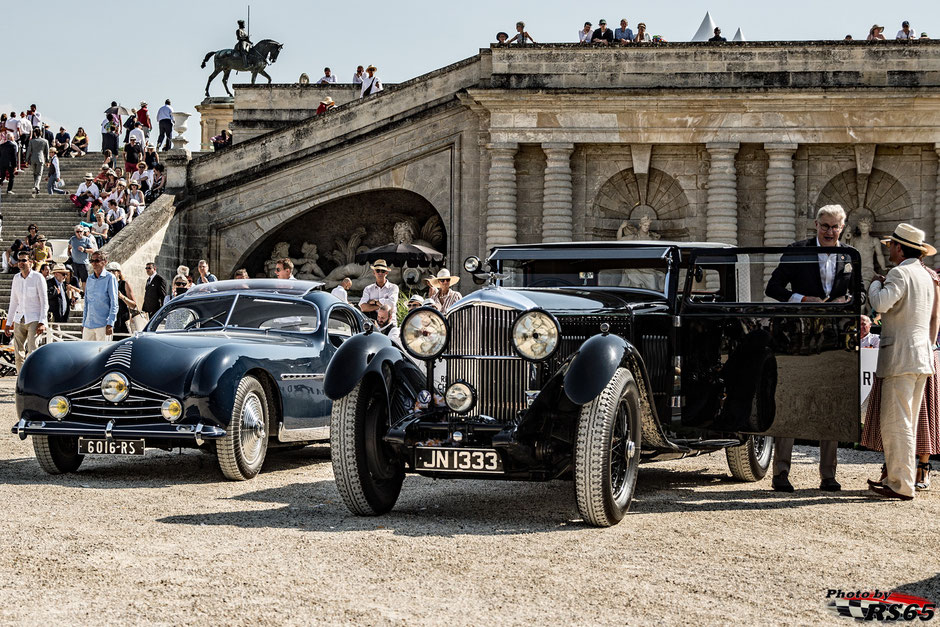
point(646, 274)
point(249, 312)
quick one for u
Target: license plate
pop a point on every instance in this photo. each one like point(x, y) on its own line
point(110, 447)
point(457, 460)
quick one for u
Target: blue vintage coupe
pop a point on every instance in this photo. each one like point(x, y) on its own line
point(234, 365)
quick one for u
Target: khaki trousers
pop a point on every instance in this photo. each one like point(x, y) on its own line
point(24, 341)
point(901, 396)
point(783, 453)
point(95, 335)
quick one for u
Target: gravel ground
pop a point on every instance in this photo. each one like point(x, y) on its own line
point(165, 540)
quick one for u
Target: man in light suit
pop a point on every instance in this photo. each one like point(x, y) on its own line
point(906, 302)
point(812, 278)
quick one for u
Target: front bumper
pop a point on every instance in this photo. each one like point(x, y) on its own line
point(114, 430)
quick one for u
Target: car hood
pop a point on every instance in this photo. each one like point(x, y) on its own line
point(558, 300)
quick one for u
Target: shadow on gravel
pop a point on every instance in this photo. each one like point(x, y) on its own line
point(425, 508)
point(926, 588)
point(155, 469)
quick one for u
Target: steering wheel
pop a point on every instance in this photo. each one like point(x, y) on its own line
point(198, 321)
point(550, 282)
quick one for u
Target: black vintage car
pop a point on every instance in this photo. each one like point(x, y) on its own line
point(234, 365)
point(577, 361)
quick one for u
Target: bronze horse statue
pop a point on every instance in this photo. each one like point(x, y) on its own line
point(259, 57)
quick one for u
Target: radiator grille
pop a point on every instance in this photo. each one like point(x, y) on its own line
point(141, 404)
point(500, 382)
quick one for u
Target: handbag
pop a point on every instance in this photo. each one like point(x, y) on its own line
point(138, 321)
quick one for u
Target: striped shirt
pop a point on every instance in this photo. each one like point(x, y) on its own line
point(445, 302)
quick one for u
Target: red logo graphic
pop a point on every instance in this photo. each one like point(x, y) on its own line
point(876, 605)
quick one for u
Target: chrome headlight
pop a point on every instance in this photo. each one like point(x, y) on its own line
point(424, 333)
point(59, 407)
point(114, 387)
point(535, 335)
point(172, 409)
point(472, 264)
point(460, 397)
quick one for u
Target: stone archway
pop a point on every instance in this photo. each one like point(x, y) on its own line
point(324, 240)
point(878, 195)
point(628, 196)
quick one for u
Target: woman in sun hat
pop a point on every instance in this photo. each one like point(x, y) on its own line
point(325, 105)
point(876, 33)
point(442, 292)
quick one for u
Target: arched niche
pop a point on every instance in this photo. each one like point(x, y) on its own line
point(878, 196)
point(628, 196)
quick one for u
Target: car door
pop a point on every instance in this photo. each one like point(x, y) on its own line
point(751, 364)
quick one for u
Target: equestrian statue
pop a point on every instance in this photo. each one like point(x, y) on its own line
point(243, 58)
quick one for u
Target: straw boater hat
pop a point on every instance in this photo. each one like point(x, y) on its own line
point(443, 274)
point(912, 237)
point(88, 176)
point(380, 265)
point(416, 300)
point(327, 101)
point(59, 268)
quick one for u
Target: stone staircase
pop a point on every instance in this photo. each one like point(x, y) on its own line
point(54, 215)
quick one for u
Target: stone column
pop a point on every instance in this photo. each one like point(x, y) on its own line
point(556, 199)
point(721, 216)
point(780, 209)
point(501, 195)
point(936, 203)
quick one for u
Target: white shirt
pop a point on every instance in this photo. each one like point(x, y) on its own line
point(386, 295)
point(585, 37)
point(827, 273)
point(146, 176)
point(29, 301)
point(118, 215)
point(139, 134)
point(25, 127)
point(357, 79)
point(870, 341)
point(340, 292)
point(89, 188)
point(367, 83)
point(35, 119)
point(327, 79)
point(165, 113)
point(909, 35)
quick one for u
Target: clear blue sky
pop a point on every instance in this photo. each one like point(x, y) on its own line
point(137, 51)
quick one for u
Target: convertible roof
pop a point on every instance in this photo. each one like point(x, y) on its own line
point(267, 286)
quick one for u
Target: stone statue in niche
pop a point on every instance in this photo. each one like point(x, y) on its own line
point(869, 249)
point(280, 251)
point(306, 267)
point(640, 277)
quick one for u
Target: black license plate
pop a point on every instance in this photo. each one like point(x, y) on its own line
point(458, 459)
point(110, 447)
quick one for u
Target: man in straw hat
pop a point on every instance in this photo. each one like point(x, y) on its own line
point(441, 291)
point(57, 288)
point(905, 300)
point(371, 83)
point(382, 292)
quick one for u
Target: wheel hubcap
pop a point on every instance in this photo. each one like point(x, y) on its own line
point(252, 428)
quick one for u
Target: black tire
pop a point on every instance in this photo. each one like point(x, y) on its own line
point(241, 452)
point(368, 474)
point(751, 460)
point(607, 452)
point(57, 454)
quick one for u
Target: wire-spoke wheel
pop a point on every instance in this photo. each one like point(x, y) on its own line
point(751, 460)
point(368, 474)
point(607, 452)
point(241, 452)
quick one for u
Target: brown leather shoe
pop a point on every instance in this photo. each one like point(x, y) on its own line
point(888, 493)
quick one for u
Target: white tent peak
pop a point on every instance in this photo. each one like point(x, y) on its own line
point(738, 36)
point(707, 30)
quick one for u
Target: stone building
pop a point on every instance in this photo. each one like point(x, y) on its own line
point(734, 142)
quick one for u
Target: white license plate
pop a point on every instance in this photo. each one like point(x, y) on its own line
point(110, 447)
point(458, 459)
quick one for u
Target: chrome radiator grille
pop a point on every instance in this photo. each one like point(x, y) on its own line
point(141, 404)
point(481, 354)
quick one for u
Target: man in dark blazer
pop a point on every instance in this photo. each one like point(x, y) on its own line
point(60, 303)
point(812, 278)
point(155, 291)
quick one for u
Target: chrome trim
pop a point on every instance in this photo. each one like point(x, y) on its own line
point(25, 428)
point(20, 429)
point(303, 376)
point(302, 435)
point(121, 356)
point(485, 357)
point(108, 428)
point(230, 310)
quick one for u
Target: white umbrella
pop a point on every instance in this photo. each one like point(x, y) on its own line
point(738, 36)
point(707, 30)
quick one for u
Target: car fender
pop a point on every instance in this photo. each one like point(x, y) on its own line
point(594, 366)
point(357, 357)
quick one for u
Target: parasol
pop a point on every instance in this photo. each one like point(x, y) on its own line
point(118, 109)
point(400, 254)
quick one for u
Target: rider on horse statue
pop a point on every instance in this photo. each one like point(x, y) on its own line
point(243, 44)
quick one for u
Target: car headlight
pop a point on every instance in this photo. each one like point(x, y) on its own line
point(114, 387)
point(460, 397)
point(172, 409)
point(59, 407)
point(471, 264)
point(424, 333)
point(535, 335)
